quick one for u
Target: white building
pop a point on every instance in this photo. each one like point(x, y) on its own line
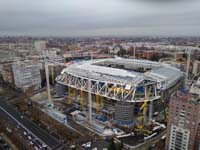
point(40, 46)
point(27, 75)
point(180, 137)
point(51, 54)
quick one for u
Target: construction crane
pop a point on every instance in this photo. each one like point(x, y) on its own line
point(143, 119)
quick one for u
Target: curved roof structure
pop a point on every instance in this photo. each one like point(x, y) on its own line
point(120, 76)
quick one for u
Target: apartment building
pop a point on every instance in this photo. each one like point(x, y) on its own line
point(27, 75)
point(183, 122)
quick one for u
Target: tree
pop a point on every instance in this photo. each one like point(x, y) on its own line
point(112, 146)
point(154, 58)
point(121, 146)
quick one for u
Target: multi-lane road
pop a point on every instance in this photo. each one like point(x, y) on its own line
point(46, 139)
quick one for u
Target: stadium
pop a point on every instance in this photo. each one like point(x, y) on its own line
point(128, 92)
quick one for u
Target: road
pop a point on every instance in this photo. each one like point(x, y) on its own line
point(39, 133)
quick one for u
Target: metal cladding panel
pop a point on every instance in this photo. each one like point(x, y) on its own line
point(60, 89)
point(124, 113)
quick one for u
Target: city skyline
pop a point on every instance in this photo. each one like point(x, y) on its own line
point(97, 18)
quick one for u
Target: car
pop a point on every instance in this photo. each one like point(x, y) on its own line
point(83, 145)
point(88, 145)
point(29, 137)
point(73, 146)
point(25, 133)
point(36, 148)
point(95, 148)
point(44, 146)
point(21, 117)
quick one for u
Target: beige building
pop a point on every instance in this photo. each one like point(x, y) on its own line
point(183, 123)
point(196, 67)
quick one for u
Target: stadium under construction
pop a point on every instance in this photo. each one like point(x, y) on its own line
point(125, 92)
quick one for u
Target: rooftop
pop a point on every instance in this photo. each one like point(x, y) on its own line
point(185, 96)
point(125, 71)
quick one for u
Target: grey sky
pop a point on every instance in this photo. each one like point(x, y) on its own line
point(100, 17)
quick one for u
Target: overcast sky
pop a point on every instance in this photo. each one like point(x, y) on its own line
point(100, 17)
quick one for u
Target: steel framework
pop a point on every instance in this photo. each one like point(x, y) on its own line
point(115, 91)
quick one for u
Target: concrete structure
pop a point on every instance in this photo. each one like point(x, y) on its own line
point(57, 115)
point(60, 90)
point(54, 71)
point(196, 67)
point(40, 46)
point(124, 114)
point(7, 72)
point(140, 82)
point(27, 75)
point(16, 46)
point(195, 88)
point(6, 69)
point(183, 122)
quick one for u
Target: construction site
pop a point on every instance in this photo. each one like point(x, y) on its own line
point(119, 97)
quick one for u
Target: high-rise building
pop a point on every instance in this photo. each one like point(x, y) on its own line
point(7, 72)
point(27, 75)
point(183, 129)
point(6, 69)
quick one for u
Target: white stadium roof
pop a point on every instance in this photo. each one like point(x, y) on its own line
point(99, 70)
